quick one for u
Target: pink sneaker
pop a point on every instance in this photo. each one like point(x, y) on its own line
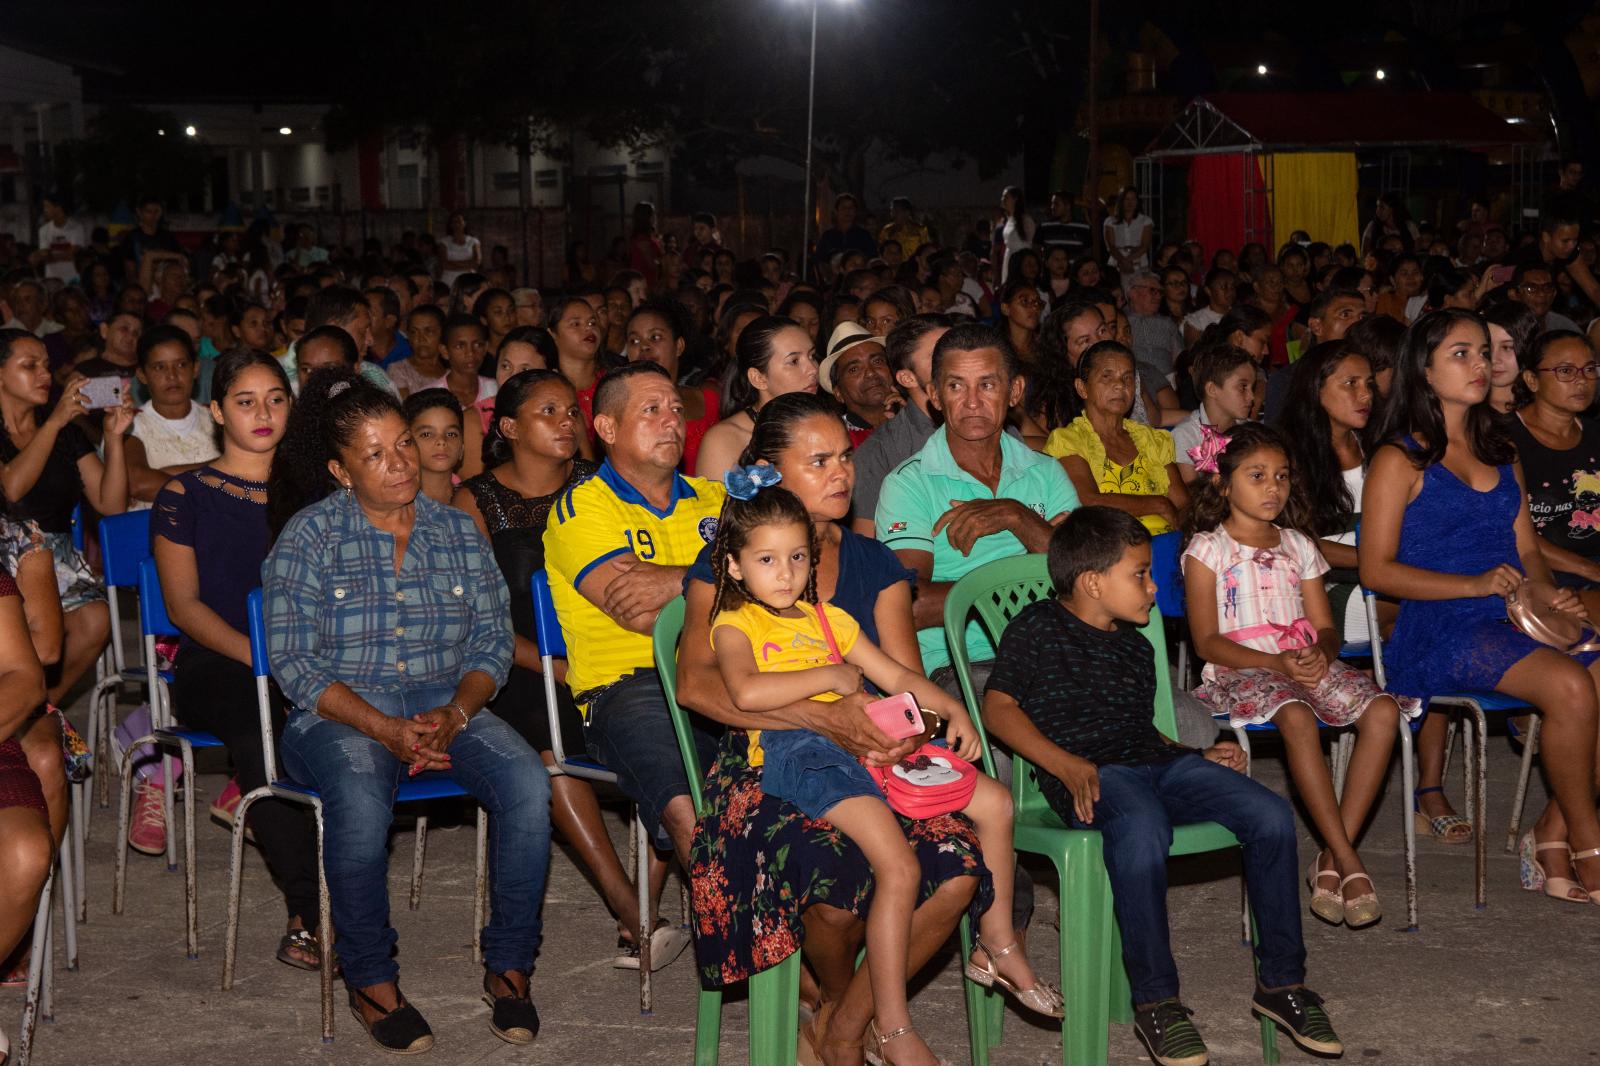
point(148, 831)
point(226, 804)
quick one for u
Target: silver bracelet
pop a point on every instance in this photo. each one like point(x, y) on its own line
point(462, 711)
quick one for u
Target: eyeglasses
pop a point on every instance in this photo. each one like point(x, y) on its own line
point(1533, 289)
point(1568, 372)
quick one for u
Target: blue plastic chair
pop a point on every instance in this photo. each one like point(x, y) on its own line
point(552, 645)
point(165, 734)
point(432, 785)
point(124, 544)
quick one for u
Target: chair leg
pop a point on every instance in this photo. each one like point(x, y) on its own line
point(47, 1005)
point(1243, 738)
point(230, 940)
point(191, 889)
point(169, 795)
point(1085, 944)
point(480, 886)
point(774, 1011)
point(125, 786)
point(69, 902)
point(1408, 782)
point(1480, 806)
point(416, 861)
point(977, 1007)
point(642, 879)
point(708, 1026)
point(36, 964)
point(1449, 748)
point(79, 826)
point(1530, 741)
point(324, 935)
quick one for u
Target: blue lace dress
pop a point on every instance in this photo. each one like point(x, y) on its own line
point(1442, 646)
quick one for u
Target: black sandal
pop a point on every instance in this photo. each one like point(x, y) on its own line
point(304, 941)
point(402, 1031)
point(514, 1019)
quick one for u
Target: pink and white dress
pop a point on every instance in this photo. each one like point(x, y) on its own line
point(1259, 605)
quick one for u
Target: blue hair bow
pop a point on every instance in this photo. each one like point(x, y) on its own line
point(743, 482)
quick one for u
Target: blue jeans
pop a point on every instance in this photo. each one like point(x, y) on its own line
point(1137, 809)
point(357, 778)
point(630, 731)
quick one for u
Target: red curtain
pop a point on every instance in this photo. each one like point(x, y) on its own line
point(1217, 203)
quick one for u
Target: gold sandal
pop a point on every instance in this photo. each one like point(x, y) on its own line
point(1361, 910)
point(1325, 903)
point(881, 1039)
point(1042, 998)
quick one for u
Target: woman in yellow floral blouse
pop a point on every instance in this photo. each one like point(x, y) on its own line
point(1111, 459)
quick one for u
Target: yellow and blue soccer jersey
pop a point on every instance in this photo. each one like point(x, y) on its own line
point(594, 522)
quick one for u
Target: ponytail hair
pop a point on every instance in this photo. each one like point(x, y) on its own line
point(507, 402)
point(334, 401)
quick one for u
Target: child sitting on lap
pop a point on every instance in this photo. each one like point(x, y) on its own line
point(1073, 692)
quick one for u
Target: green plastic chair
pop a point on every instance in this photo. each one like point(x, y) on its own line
point(775, 992)
point(1093, 980)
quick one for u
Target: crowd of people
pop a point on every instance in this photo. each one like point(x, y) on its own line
point(392, 442)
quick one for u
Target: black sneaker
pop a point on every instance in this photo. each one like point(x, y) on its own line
point(1299, 1012)
point(1169, 1035)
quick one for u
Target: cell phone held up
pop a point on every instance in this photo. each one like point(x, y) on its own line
point(898, 717)
point(101, 393)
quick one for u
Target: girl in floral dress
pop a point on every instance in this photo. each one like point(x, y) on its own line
point(1260, 618)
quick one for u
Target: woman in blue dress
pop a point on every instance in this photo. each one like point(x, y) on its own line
point(1446, 530)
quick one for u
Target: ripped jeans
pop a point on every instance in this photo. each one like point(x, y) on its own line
point(357, 778)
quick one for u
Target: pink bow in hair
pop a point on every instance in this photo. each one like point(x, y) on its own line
point(1203, 456)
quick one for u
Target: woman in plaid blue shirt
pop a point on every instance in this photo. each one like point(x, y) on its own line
point(388, 629)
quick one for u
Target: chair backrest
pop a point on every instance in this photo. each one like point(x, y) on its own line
point(998, 592)
point(124, 544)
point(552, 644)
point(259, 664)
point(77, 526)
point(546, 625)
point(669, 625)
point(1166, 570)
point(153, 620)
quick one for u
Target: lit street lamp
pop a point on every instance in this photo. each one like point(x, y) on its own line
point(811, 106)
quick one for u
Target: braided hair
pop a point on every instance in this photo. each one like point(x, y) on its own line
point(740, 518)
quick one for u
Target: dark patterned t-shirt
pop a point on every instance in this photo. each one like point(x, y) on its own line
point(1089, 691)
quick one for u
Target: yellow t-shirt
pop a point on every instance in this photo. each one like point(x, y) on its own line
point(597, 520)
point(784, 645)
point(1145, 476)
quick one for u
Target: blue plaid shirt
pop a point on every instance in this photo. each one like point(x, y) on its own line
point(337, 611)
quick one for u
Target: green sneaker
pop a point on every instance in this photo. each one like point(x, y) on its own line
point(1299, 1012)
point(1169, 1035)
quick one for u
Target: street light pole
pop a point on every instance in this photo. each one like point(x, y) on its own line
point(811, 105)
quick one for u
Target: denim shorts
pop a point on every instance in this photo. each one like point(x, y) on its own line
point(812, 772)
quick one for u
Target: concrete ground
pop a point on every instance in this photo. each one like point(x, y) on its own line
point(1511, 984)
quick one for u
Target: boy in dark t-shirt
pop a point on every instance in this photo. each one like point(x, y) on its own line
point(1073, 692)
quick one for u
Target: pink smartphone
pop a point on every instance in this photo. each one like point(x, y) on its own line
point(898, 716)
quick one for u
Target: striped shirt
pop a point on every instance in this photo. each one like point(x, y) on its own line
point(337, 611)
point(596, 521)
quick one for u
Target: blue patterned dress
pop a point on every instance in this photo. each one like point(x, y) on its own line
point(1442, 646)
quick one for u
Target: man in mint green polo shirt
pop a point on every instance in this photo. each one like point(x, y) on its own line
point(973, 494)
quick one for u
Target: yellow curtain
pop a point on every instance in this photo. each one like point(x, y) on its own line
point(1316, 192)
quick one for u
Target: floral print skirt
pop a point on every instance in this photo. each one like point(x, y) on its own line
point(757, 863)
point(1254, 695)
